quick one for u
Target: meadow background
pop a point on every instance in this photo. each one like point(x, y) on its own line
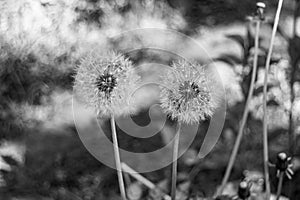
point(41, 42)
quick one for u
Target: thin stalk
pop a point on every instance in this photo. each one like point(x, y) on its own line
point(142, 179)
point(175, 157)
point(137, 176)
point(245, 114)
point(127, 179)
point(294, 63)
point(292, 82)
point(291, 119)
point(265, 117)
point(279, 187)
point(117, 157)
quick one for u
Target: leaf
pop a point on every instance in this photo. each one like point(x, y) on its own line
point(260, 89)
point(294, 49)
point(272, 102)
point(262, 60)
point(9, 160)
point(277, 133)
point(250, 43)
point(297, 11)
point(229, 59)
point(297, 77)
point(238, 38)
point(250, 40)
point(279, 30)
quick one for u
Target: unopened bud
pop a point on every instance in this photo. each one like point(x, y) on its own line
point(260, 10)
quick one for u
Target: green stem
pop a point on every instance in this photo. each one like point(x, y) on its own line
point(143, 180)
point(279, 187)
point(175, 157)
point(245, 115)
point(293, 75)
point(265, 117)
point(117, 157)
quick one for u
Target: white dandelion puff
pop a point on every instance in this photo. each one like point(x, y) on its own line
point(187, 97)
point(106, 83)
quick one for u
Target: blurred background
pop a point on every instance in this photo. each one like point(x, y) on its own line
point(42, 41)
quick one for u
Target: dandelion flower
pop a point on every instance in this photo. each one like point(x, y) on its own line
point(186, 96)
point(106, 82)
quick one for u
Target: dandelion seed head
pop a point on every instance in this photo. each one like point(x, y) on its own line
point(185, 94)
point(106, 82)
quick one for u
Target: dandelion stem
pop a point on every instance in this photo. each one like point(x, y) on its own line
point(265, 118)
point(293, 76)
point(117, 157)
point(175, 157)
point(245, 114)
point(142, 179)
point(279, 187)
point(137, 176)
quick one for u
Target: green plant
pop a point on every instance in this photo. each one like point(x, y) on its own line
point(246, 111)
point(105, 83)
point(188, 99)
point(265, 118)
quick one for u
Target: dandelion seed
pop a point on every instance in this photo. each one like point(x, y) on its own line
point(106, 83)
point(186, 95)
